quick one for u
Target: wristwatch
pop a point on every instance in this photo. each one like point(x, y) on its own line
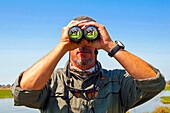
point(119, 45)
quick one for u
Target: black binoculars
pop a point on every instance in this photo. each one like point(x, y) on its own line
point(90, 33)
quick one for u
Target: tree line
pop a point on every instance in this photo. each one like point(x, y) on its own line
point(5, 86)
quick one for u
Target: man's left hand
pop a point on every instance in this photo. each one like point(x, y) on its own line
point(105, 42)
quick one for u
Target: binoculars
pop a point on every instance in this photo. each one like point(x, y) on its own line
point(90, 33)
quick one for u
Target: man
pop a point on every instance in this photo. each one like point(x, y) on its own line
point(83, 86)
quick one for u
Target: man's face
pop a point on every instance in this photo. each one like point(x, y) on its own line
point(83, 57)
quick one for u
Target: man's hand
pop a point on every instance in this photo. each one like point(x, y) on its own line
point(105, 42)
point(65, 40)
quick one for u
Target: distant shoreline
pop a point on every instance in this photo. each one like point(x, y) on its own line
point(7, 93)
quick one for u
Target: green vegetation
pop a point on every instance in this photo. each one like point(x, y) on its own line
point(76, 36)
point(167, 88)
point(165, 99)
point(5, 93)
point(92, 36)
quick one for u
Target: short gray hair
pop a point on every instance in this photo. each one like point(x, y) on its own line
point(80, 18)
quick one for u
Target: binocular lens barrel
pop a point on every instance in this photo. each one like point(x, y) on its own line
point(75, 33)
point(91, 33)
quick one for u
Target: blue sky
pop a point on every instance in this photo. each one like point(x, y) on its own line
point(29, 29)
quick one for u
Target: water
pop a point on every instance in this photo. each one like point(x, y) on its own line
point(150, 105)
point(6, 105)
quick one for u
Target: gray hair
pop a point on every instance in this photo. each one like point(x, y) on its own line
point(80, 18)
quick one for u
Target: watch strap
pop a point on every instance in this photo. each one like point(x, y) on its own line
point(115, 49)
point(119, 45)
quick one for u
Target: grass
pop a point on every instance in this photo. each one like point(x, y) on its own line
point(165, 99)
point(167, 88)
point(5, 93)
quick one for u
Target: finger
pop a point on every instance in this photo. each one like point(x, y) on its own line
point(89, 24)
point(72, 22)
point(83, 27)
point(75, 23)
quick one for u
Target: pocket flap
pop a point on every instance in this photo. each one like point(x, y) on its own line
point(109, 87)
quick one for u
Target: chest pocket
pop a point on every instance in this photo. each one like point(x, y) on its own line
point(58, 90)
point(108, 97)
point(108, 86)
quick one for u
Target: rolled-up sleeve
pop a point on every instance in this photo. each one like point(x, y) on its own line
point(154, 84)
point(137, 91)
point(29, 98)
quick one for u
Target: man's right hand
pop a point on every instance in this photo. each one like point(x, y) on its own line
point(65, 40)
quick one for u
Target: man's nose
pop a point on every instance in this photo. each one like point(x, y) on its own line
point(84, 42)
point(83, 48)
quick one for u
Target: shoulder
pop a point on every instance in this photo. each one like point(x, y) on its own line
point(58, 74)
point(116, 74)
point(58, 77)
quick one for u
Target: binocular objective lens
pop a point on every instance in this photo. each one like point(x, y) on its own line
point(75, 33)
point(91, 33)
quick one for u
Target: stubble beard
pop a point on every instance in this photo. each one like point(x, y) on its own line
point(83, 63)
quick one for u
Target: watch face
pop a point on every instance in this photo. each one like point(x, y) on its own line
point(120, 44)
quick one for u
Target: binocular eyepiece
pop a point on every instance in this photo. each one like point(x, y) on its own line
point(90, 33)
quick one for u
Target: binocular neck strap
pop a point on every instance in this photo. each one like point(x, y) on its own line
point(68, 74)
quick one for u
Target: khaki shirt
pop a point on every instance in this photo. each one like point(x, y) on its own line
point(117, 92)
